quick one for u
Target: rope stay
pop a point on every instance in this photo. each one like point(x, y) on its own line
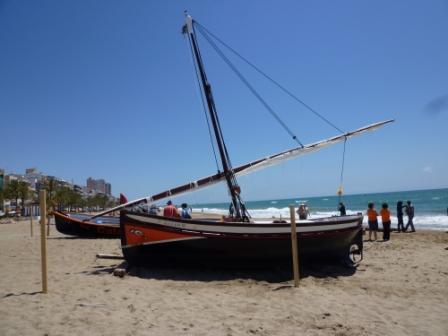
point(249, 86)
point(272, 80)
point(211, 38)
point(204, 107)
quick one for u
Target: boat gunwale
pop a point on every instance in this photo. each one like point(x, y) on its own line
point(78, 221)
point(333, 221)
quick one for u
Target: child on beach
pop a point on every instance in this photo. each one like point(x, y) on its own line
point(372, 217)
point(385, 218)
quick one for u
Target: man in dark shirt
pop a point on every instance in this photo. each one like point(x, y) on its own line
point(341, 209)
point(400, 216)
point(410, 214)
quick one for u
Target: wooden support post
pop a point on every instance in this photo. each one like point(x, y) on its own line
point(295, 251)
point(31, 220)
point(43, 239)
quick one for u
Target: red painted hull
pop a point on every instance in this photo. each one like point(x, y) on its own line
point(146, 237)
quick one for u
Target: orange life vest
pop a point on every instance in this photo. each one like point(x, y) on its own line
point(385, 215)
point(372, 214)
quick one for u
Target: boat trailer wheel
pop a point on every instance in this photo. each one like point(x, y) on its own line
point(355, 253)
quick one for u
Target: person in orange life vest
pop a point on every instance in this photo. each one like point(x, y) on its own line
point(170, 210)
point(372, 220)
point(385, 218)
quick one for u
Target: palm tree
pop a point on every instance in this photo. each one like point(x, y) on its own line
point(61, 197)
point(77, 199)
point(23, 191)
point(12, 191)
point(51, 185)
point(2, 198)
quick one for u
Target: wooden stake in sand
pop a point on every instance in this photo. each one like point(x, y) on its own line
point(108, 256)
point(295, 254)
point(31, 220)
point(43, 239)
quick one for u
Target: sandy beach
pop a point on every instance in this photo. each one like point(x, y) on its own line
point(400, 288)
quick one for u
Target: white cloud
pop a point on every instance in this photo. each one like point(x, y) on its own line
point(427, 169)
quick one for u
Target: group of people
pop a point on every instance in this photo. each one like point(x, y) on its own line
point(372, 216)
point(303, 211)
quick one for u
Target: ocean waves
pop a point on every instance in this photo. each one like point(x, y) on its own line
point(424, 221)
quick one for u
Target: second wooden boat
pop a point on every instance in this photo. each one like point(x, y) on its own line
point(82, 225)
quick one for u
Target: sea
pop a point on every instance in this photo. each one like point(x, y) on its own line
point(431, 206)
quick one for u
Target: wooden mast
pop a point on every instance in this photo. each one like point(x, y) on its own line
point(232, 185)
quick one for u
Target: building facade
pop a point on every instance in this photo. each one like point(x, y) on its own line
point(98, 186)
point(108, 189)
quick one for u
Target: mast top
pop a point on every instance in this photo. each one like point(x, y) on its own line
point(188, 22)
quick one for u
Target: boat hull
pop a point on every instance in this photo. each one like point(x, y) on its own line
point(147, 238)
point(74, 225)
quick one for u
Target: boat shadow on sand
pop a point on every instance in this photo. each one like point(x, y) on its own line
point(270, 272)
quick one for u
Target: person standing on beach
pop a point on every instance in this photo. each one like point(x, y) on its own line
point(153, 210)
point(410, 214)
point(400, 216)
point(186, 211)
point(372, 217)
point(385, 218)
point(302, 211)
point(341, 209)
point(170, 210)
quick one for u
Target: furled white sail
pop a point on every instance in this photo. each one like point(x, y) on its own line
point(298, 151)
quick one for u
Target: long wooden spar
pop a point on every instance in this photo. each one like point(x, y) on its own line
point(247, 168)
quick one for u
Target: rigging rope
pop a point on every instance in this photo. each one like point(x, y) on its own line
point(249, 86)
point(209, 35)
point(203, 106)
point(281, 87)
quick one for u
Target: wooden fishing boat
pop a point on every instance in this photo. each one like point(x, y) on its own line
point(81, 225)
point(84, 225)
point(145, 237)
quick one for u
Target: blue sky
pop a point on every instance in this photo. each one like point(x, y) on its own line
point(107, 89)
